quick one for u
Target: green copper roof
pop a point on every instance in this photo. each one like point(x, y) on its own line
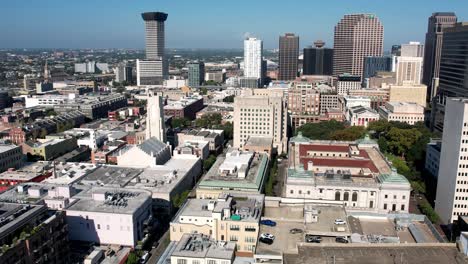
point(299, 138)
point(299, 172)
point(393, 178)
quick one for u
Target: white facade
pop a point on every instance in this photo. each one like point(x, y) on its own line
point(409, 113)
point(149, 72)
point(119, 72)
point(48, 100)
point(343, 87)
point(412, 49)
point(155, 126)
point(452, 184)
point(408, 70)
point(94, 217)
point(253, 53)
point(362, 116)
point(260, 116)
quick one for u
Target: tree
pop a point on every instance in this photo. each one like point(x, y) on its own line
point(208, 163)
point(401, 140)
point(209, 121)
point(229, 99)
point(349, 133)
point(427, 209)
point(322, 130)
point(132, 258)
point(180, 122)
point(228, 130)
point(204, 91)
point(179, 200)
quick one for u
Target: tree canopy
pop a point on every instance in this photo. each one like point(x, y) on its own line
point(322, 130)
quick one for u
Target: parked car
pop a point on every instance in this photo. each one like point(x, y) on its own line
point(296, 231)
point(340, 222)
point(268, 236)
point(313, 239)
point(341, 240)
point(268, 222)
point(266, 240)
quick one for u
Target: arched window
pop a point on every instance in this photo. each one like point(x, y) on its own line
point(337, 196)
point(346, 196)
point(354, 196)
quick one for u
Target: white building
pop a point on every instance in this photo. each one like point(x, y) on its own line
point(260, 115)
point(119, 72)
point(362, 116)
point(150, 72)
point(412, 49)
point(109, 216)
point(355, 173)
point(150, 153)
point(347, 83)
point(349, 101)
point(253, 54)
point(198, 149)
point(409, 113)
point(47, 100)
point(452, 184)
point(155, 126)
point(408, 70)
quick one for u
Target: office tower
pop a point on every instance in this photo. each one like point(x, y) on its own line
point(196, 73)
point(437, 23)
point(408, 70)
point(270, 120)
point(318, 60)
point(356, 36)
point(119, 72)
point(128, 74)
point(453, 74)
point(47, 74)
point(396, 50)
point(153, 70)
point(372, 65)
point(453, 168)
point(288, 56)
point(412, 49)
point(155, 126)
point(253, 59)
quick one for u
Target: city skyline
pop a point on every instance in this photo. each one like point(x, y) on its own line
point(119, 25)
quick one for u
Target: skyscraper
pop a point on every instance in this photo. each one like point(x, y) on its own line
point(408, 70)
point(318, 60)
point(196, 73)
point(154, 69)
point(288, 56)
point(453, 73)
point(412, 49)
point(356, 36)
point(372, 65)
point(437, 23)
point(155, 126)
point(451, 183)
point(253, 55)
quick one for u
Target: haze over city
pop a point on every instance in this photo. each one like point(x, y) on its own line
point(204, 24)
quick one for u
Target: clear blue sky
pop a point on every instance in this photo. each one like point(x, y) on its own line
point(204, 23)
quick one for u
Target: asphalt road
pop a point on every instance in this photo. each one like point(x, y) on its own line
point(281, 177)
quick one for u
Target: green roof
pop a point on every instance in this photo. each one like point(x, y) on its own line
point(393, 178)
point(299, 172)
point(299, 138)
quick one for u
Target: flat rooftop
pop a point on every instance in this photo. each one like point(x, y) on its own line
point(201, 246)
point(110, 175)
point(7, 147)
point(12, 215)
point(23, 193)
point(66, 173)
point(110, 200)
point(253, 180)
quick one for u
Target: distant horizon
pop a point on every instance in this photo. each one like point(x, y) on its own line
point(208, 24)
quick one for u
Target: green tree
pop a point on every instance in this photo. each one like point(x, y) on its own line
point(132, 258)
point(179, 200)
point(228, 129)
point(229, 99)
point(322, 130)
point(349, 133)
point(204, 91)
point(209, 121)
point(208, 163)
point(180, 122)
point(401, 140)
point(427, 209)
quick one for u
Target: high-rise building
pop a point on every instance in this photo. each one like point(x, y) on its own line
point(453, 168)
point(270, 120)
point(253, 59)
point(372, 65)
point(453, 74)
point(288, 57)
point(153, 70)
point(318, 60)
point(437, 23)
point(408, 70)
point(347, 83)
point(155, 126)
point(412, 49)
point(356, 36)
point(396, 50)
point(196, 73)
point(119, 72)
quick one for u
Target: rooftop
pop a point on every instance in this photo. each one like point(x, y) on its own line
point(109, 175)
point(7, 147)
point(259, 141)
point(12, 215)
point(110, 200)
point(67, 172)
point(201, 246)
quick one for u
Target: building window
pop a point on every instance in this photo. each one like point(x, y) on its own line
point(371, 204)
point(385, 206)
point(386, 196)
point(402, 207)
point(98, 226)
point(346, 196)
point(354, 197)
point(181, 261)
point(337, 196)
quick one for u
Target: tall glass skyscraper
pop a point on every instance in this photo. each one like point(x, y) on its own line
point(318, 60)
point(288, 57)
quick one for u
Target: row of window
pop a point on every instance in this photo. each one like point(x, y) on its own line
point(460, 206)
point(394, 207)
point(462, 182)
point(254, 110)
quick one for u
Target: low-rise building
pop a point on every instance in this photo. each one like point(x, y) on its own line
point(199, 248)
point(214, 137)
point(238, 171)
point(33, 234)
point(13, 177)
point(150, 153)
point(10, 157)
point(186, 107)
point(408, 93)
point(259, 145)
point(49, 149)
point(347, 83)
point(199, 149)
point(362, 116)
point(354, 173)
point(410, 113)
point(110, 216)
point(226, 218)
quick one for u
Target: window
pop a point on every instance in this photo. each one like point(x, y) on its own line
point(346, 196)
point(403, 197)
point(371, 204)
point(402, 207)
point(98, 226)
point(385, 206)
point(337, 196)
point(386, 196)
point(181, 261)
point(354, 197)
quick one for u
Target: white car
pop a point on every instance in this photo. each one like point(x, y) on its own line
point(340, 222)
point(268, 236)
